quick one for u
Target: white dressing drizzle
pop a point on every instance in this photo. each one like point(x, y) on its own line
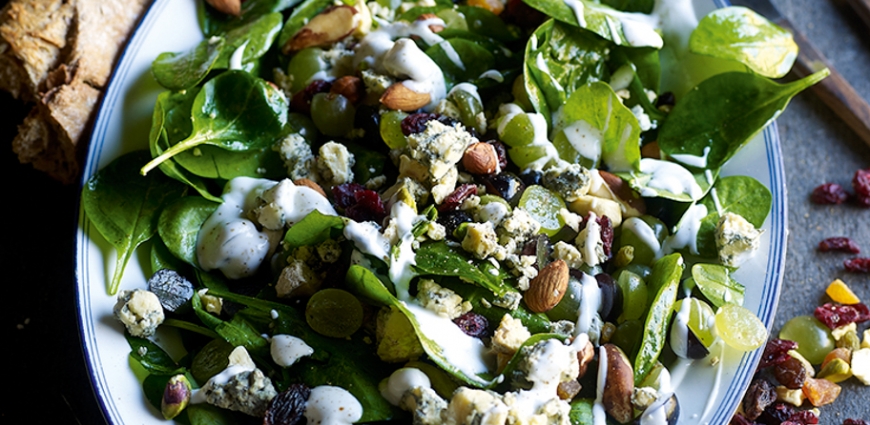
point(493, 74)
point(237, 56)
point(585, 138)
point(401, 381)
point(716, 203)
point(590, 303)
point(599, 417)
point(288, 349)
point(669, 176)
point(693, 160)
point(333, 406)
point(467, 353)
point(687, 232)
point(644, 233)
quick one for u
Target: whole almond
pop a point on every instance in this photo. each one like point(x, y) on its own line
point(229, 7)
point(399, 97)
point(623, 191)
point(325, 28)
point(548, 287)
point(310, 184)
point(349, 86)
point(436, 28)
point(480, 158)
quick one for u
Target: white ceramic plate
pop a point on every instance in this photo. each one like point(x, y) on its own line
point(708, 394)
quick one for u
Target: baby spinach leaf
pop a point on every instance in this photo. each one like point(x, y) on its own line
point(559, 59)
point(206, 414)
point(724, 112)
point(664, 281)
point(300, 16)
point(364, 283)
point(162, 258)
point(740, 34)
point(179, 226)
point(178, 71)
point(646, 76)
point(124, 206)
point(460, 59)
point(654, 181)
point(740, 195)
point(235, 111)
point(213, 22)
point(622, 28)
point(237, 331)
point(594, 126)
point(151, 356)
point(313, 229)
point(212, 162)
point(441, 259)
point(256, 37)
point(481, 300)
point(717, 285)
point(642, 6)
point(482, 21)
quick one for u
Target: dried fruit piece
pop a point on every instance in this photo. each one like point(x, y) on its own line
point(791, 373)
point(776, 414)
point(861, 185)
point(838, 353)
point(455, 198)
point(840, 292)
point(834, 316)
point(821, 391)
point(829, 193)
point(839, 243)
point(804, 417)
point(776, 352)
point(288, 407)
point(857, 265)
point(851, 421)
point(473, 324)
point(759, 395)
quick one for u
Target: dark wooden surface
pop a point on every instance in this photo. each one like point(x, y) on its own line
point(48, 380)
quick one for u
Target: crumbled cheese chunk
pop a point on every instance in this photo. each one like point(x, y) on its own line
point(436, 231)
point(334, 164)
point(248, 392)
point(480, 239)
point(861, 365)
point(471, 406)
point(439, 147)
point(210, 303)
point(509, 301)
point(425, 404)
point(375, 84)
point(140, 311)
point(736, 239)
point(510, 335)
point(297, 279)
point(441, 300)
point(298, 158)
point(568, 180)
point(568, 253)
point(329, 251)
point(445, 185)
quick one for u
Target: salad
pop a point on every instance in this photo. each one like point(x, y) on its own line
point(436, 213)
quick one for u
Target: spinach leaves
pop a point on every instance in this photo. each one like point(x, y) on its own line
point(124, 206)
point(622, 28)
point(740, 195)
point(441, 259)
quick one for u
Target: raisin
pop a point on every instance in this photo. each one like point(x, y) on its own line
point(776, 352)
point(776, 414)
point(839, 243)
point(851, 421)
point(834, 316)
point(368, 207)
point(344, 194)
point(861, 182)
point(416, 123)
point(606, 233)
point(473, 324)
point(301, 101)
point(829, 193)
point(738, 419)
point(857, 265)
point(452, 219)
point(791, 373)
point(288, 407)
point(759, 395)
point(455, 198)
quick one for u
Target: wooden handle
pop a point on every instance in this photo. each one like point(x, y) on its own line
point(862, 7)
point(835, 91)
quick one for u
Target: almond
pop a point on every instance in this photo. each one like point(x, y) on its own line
point(400, 98)
point(229, 7)
point(327, 27)
point(349, 86)
point(310, 184)
point(436, 28)
point(548, 287)
point(480, 158)
point(624, 194)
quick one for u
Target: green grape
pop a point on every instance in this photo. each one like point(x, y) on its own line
point(303, 125)
point(740, 328)
point(211, 360)
point(332, 113)
point(628, 336)
point(701, 321)
point(521, 96)
point(391, 129)
point(453, 19)
point(305, 65)
point(644, 253)
point(543, 205)
point(470, 109)
point(813, 337)
point(569, 306)
point(334, 312)
point(635, 296)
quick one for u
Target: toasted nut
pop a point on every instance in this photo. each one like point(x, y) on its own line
point(480, 158)
point(632, 202)
point(329, 26)
point(349, 86)
point(310, 184)
point(229, 7)
point(584, 356)
point(400, 98)
point(176, 396)
point(585, 204)
point(436, 28)
point(620, 385)
point(651, 150)
point(548, 287)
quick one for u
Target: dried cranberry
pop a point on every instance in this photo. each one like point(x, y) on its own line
point(738, 419)
point(455, 198)
point(343, 194)
point(851, 421)
point(452, 219)
point(834, 315)
point(829, 193)
point(368, 206)
point(473, 324)
point(288, 407)
point(861, 200)
point(804, 417)
point(839, 243)
point(501, 152)
point(857, 265)
point(301, 101)
point(776, 352)
point(776, 414)
point(759, 395)
point(791, 373)
point(416, 123)
point(606, 233)
point(861, 182)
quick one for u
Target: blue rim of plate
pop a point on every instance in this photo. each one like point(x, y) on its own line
point(733, 394)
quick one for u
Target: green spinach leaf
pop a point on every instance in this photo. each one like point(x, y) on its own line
point(179, 226)
point(723, 113)
point(622, 28)
point(641, 6)
point(313, 229)
point(740, 34)
point(124, 206)
point(741, 195)
point(717, 285)
point(460, 60)
point(256, 37)
point(235, 111)
point(237, 331)
point(151, 356)
point(213, 22)
point(441, 259)
point(662, 179)
point(178, 71)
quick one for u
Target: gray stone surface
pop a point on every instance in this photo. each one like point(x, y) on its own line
point(818, 147)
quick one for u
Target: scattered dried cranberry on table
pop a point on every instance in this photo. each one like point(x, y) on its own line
point(829, 193)
point(839, 243)
point(857, 265)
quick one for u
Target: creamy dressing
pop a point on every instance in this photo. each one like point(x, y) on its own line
point(622, 77)
point(466, 353)
point(687, 232)
point(402, 261)
point(403, 380)
point(590, 303)
point(509, 111)
point(716, 203)
point(495, 213)
point(644, 232)
point(638, 29)
point(714, 391)
point(693, 160)
point(493, 74)
point(452, 54)
point(670, 177)
point(333, 406)
point(545, 376)
point(680, 330)
point(468, 88)
point(585, 139)
point(599, 417)
point(287, 349)
point(237, 56)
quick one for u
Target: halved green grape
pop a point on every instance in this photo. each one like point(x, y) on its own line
point(332, 114)
point(813, 337)
point(635, 296)
point(391, 129)
point(715, 282)
point(305, 65)
point(697, 318)
point(645, 234)
point(740, 328)
point(543, 205)
point(334, 312)
point(211, 360)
